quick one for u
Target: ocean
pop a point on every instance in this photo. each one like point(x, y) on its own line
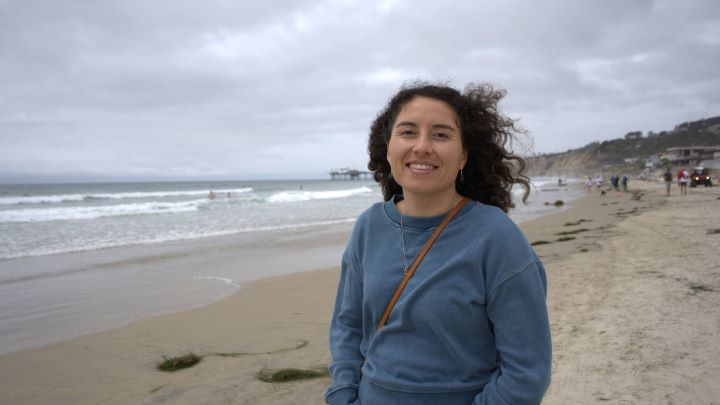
point(43, 219)
point(39, 220)
point(81, 258)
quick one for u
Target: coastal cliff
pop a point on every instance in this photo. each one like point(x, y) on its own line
point(627, 154)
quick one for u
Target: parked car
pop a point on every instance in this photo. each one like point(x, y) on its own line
point(700, 175)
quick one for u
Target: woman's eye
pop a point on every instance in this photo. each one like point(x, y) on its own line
point(406, 132)
point(441, 135)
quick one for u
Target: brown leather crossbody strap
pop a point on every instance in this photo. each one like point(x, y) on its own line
point(417, 261)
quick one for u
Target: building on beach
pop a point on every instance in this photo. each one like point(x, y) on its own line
point(690, 155)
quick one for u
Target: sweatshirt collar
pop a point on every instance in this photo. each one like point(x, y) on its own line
point(422, 223)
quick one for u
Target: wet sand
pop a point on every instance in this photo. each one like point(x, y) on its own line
point(633, 304)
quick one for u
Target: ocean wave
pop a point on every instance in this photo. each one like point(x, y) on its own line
point(75, 213)
point(295, 196)
point(540, 182)
point(174, 237)
point(56, 199)
point(543, 182)
point(215, 278)
point(41, 199)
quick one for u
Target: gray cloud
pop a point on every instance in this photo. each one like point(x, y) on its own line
point(184, 89)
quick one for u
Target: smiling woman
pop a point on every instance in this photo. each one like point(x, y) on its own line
point(490, 169)
point(426, 154)
point(468, 322)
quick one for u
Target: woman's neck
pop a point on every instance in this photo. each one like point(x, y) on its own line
point(414, 205)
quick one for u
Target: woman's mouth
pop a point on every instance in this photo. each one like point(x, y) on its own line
point(420, 166)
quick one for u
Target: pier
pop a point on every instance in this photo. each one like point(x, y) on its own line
point(349, 174)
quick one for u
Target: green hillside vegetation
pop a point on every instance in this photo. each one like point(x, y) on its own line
point(611, 155)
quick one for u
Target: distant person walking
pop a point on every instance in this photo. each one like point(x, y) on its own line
point(598, 182)
point(667, 176)
point(624, 183)
point(683, 176)
point(615, 181)
point(589, 184)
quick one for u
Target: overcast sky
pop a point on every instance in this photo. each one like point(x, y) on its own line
point(221, 89)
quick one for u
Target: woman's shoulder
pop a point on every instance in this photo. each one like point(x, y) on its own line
point(370, 217)
point(372, 213)
point(501, 246)
point(496, 224)
point(489, 216)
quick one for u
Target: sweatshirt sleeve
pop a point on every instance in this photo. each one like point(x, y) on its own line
point(517, 309)
point(346, 335)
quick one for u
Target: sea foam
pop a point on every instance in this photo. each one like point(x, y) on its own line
point(54, 199)
point(295, 196)
point(77, 213)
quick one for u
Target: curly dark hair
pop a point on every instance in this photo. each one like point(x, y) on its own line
point(491, 169)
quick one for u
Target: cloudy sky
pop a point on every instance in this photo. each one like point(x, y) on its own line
point(221, 89)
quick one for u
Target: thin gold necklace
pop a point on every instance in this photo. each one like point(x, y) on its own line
point(402, 237)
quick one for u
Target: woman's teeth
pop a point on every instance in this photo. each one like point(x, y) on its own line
point(420, 166)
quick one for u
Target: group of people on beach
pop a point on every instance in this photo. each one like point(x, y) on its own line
point(441, 298)
point(683, 177)
point(615, 180)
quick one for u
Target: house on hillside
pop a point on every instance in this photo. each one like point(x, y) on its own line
point(690, 155)
point(713, 163)
point(652, 161)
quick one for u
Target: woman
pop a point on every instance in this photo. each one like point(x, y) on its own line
point(471, 325)
point(683, 177)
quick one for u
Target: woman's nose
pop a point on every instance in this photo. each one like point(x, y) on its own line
point(423, 144)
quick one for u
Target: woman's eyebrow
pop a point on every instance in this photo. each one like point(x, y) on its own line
point(406, 123)
point(445, 126)
point(440, 126)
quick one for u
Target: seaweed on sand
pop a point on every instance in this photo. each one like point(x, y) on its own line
point(171, 364)
point(573, 232)
point(291, 374)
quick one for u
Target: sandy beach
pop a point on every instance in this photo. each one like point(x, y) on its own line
point(634, 298)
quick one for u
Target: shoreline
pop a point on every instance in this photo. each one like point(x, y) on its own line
point(109, 288)
point(634, 326)
point(112, 288)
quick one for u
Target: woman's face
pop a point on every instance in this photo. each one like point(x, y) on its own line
point(425, 150)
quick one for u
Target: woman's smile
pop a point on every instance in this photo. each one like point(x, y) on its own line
point(421, 167)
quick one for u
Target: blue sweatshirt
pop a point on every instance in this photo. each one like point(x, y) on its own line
point(472, 319)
